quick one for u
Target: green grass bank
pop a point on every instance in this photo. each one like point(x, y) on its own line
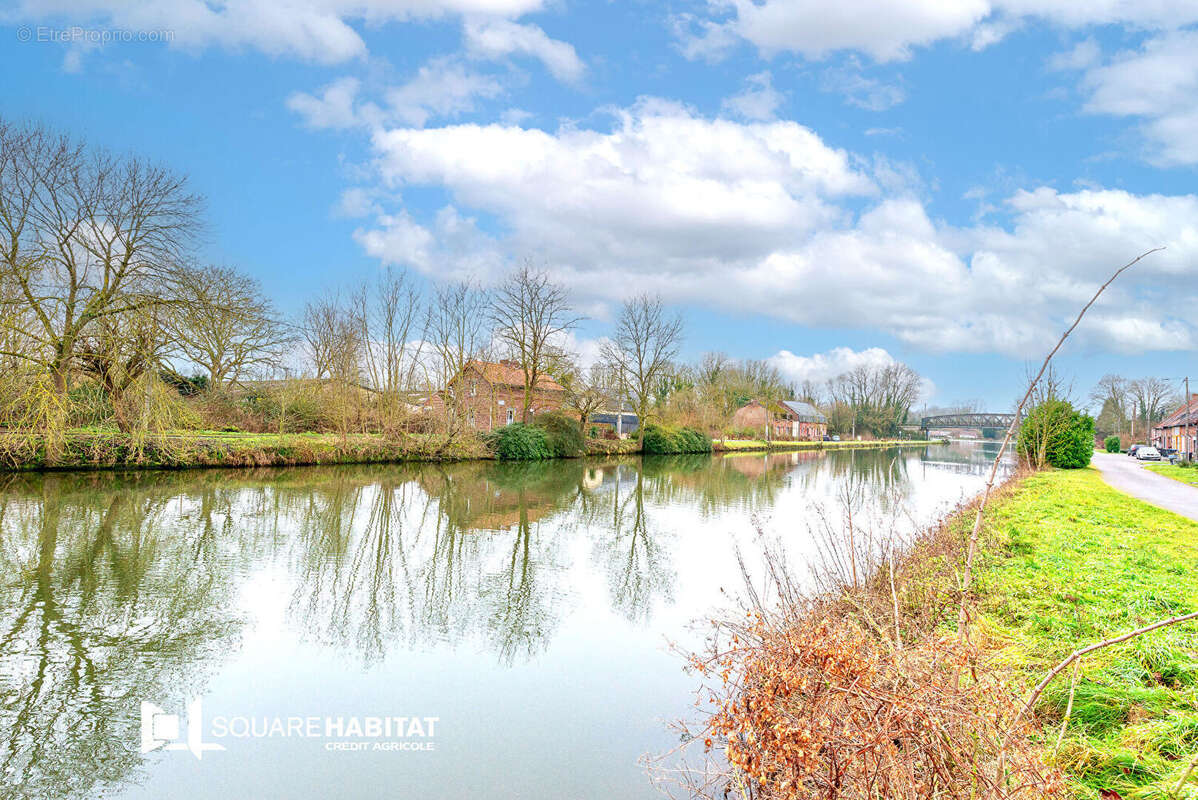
point(100, 449)
point(1184, 474)
point(1072, 562)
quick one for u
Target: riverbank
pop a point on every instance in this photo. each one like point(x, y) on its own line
point(1065, 561)
point(1073, 562)
point(91, 449)
point(741, 445)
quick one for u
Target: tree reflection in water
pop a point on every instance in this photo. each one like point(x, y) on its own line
point(107, 600)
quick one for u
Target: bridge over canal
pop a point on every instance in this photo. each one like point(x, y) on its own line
point(980, 420)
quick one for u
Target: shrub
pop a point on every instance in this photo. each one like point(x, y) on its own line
point(1057, 434)
point(660, 439)
point(519, 442)
point(1112, 444)
point(562, 434)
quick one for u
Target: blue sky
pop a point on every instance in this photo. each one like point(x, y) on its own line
point(820, 183)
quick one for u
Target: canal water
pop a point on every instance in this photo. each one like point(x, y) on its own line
point(218, 635)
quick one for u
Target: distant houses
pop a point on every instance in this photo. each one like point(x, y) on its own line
point(1174, 429)
point(792, 420)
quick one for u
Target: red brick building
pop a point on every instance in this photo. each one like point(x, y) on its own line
point(788, 420)
point(1172, 430)
point(492, 394)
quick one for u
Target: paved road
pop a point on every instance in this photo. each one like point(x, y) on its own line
point(1127, 475)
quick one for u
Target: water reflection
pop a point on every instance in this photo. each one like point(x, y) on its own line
point(119, 588)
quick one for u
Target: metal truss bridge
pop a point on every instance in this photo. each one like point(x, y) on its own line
point(983, 420)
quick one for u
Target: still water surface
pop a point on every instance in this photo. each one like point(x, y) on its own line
point(525, 606)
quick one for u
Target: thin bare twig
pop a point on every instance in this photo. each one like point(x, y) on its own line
point(971, 552)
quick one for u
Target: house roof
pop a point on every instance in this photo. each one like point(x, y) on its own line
point(1179, 416)
point(501, 374)
point(804, 411)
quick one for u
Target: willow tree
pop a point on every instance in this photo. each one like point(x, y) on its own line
point(85, 236)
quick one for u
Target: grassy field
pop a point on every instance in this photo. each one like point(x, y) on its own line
point(1074, 562)
point(761, 444)
point(1184, 474)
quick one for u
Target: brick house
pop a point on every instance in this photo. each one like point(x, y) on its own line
point(493, 394)
point(1171, 431)
point(788, 420)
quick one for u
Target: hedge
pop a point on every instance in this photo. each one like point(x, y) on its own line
point(660, 439)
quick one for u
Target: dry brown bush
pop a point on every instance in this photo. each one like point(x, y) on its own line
point(852, 687)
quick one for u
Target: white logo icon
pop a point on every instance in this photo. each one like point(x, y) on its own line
point(159, 728)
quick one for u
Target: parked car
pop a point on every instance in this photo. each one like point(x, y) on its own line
point(1131, 451)
point(1146, 453)
point(835, 437)
point(827, 438)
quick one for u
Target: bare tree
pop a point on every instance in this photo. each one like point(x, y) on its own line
point(645, 343)
point(587, 391)
point(85, 236)
point(327, 331)
point(877, 398)
point(457, 334)
point(390, 324)
point(530, 313)
point(1153, 398)
point(1110, 398)
point(334, 345)
point(226, 325)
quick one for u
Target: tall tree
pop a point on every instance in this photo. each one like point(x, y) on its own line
point(641, 350)
point(388, 313)
point(226, 325)
point(1153, 398)
point(1110, 396)
point(456, 328)
point(531, 314)
point(84, 236)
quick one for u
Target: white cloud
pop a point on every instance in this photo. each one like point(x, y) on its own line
point(870, 94)
point(884, 29)
point(497, 38)
point(1159, 83)
point(890, 31)
point(332, 108)
point(441, 88)
point(311, 30)
point(1082, 55)
point(758, 101)
point(824, 366)
point(762, 218)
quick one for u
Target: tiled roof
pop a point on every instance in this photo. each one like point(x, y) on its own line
point(1178, 417)
point(498, 374)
